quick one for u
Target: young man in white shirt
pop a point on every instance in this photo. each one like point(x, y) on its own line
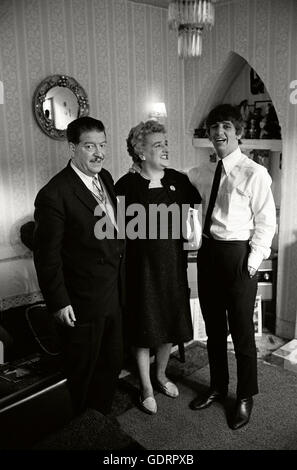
point(237, 235)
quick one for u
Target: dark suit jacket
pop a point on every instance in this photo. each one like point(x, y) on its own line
point(73, 266)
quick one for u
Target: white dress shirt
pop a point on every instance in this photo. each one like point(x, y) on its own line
point(88, 182)
point(244, 208)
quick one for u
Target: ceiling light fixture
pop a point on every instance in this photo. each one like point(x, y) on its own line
point(189, 18)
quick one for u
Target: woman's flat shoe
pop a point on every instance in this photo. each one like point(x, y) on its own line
point(149, 405)
point(169, 389)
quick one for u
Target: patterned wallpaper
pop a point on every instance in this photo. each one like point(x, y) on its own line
point(264, 33)
point(120, 52)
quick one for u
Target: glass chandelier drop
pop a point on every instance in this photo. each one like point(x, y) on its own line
point(188, 18)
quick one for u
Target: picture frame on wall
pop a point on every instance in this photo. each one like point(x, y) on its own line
point(264, 105)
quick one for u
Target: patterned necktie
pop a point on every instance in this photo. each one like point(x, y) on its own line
point(212, 199)
point(99, 193)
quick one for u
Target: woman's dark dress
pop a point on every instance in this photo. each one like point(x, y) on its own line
point(158, 306)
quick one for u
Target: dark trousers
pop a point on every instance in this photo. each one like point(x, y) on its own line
point(227, 292)
point(92, 354)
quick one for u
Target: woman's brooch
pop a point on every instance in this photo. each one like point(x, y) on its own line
point(172, 188)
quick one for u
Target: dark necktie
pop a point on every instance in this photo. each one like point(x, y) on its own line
point(212, 199)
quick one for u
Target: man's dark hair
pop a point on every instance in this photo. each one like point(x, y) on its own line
point(83, 124)
point(225, 112)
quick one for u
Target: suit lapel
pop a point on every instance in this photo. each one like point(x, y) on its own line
point(80, 190)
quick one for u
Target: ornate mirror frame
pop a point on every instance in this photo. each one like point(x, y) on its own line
point(39, 96)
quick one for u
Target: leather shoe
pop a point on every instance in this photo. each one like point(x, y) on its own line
point(200, 404)
point(148, 405)
point(242, 414)
point(169, 389)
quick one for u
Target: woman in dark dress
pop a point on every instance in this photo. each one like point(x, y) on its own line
point(158, 307)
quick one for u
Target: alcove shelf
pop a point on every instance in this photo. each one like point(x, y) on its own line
point(261, 144)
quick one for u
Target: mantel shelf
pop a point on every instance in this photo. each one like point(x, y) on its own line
point(263, 144)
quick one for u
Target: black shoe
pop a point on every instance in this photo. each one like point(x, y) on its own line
point(242, 414)
point(201, 403)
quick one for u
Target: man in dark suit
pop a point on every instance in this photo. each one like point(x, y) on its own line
point(79, 273)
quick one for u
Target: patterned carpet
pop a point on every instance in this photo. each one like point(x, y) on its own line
point(273, 423)
point(176, 427)
point(93, 431)
point(127, 394)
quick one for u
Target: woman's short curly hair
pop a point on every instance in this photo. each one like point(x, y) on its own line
point(137, 137)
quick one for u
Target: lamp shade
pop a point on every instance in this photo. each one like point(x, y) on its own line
point(157, 110)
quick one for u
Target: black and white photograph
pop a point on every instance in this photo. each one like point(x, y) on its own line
point(148, 234)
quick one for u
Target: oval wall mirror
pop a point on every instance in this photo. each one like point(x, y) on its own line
point(57, 101)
